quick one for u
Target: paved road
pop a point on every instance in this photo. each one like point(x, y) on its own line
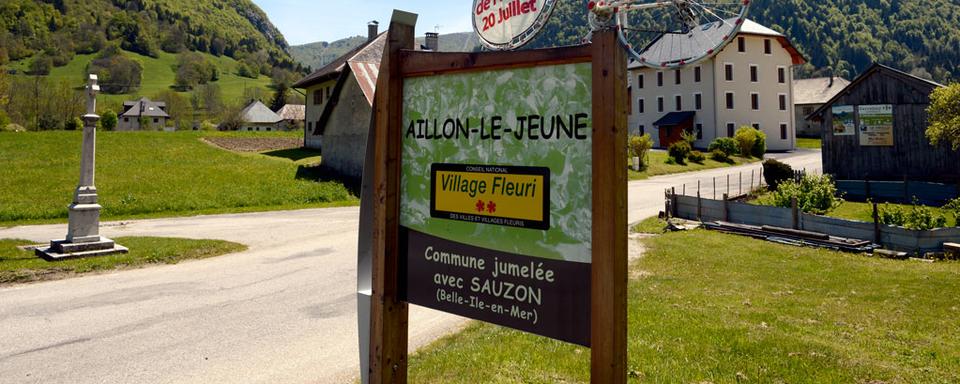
point(281, 312)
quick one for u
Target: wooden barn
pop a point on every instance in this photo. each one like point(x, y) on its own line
point(874, 129)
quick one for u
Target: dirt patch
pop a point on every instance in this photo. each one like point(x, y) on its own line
point(255, 144)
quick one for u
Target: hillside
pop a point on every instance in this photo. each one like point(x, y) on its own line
point(848, 35)
point(316, 55)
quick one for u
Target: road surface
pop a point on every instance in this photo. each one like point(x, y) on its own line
point(283, 311)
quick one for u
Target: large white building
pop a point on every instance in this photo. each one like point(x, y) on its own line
point(748, 82)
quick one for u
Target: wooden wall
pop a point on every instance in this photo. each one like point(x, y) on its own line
point(911, 157)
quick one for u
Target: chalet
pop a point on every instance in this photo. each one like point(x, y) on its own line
point(293, 116)
point(810, 94)
point(257, 117)
point(142, 114)
point(748, 82)
point(875, 128)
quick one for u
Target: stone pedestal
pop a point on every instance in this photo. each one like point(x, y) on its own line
point(83, 233)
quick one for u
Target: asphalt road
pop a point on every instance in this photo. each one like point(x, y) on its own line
point(281, 312)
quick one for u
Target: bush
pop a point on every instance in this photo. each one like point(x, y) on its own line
point(721, 156)
point(73, 124)
point(776, 172)
point(40, 65)
point(917, 217)
point(639, 146)
point(109, 120)
point(12, 128)
point(814, 194)
point(678, 151)
point(751, 142)
point(697, 157)
point(118, 74)
point(727, 145)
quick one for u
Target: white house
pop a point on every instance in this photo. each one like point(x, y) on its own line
point(142, 114)
point(748, 82)
point(257, 117)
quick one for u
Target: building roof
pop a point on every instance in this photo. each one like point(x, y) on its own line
point(674, 118)
point(876, 68)
point(293, 112)
point(817, 90)
point(332, 71)
point(257, 113)
point(144, 108)
point(673, 47)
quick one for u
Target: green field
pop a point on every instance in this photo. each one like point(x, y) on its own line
point(658, 165)
point(158, 75)
point(706, 307)
point(21, 266)
point(151, 174)
point(808, 143)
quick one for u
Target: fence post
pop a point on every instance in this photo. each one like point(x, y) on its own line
point(726, 208)
point(666, 204)
point(699, 207)
point(866, 188)
point(698, 187)
point(876, 224)
point(714, 187)
point(728, 185)
point(795, 213)
point(673, 202)
point(740, 185)
point(684, 189)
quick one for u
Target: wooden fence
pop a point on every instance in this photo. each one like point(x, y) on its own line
point(895, 238)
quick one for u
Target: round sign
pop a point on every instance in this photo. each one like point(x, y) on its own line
point(509, 24)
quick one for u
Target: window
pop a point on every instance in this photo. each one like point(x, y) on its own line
point(728, 72)
point(781, 75)
point(640, 106)
point(678, 101)
point(756, 126)
point(676, 76)
point(310, 126)
point(660, 104)
point(741, 44)
point(640, 81)
point(807, 111)
point(659, 79)
point(328, 93)
point(767, 48)
point(318, 97)
point(729, 100)
point(268, 128)
point(126, 119)
point(697, 101)
point(699, 128)
point(783, 131)
point(783, 102)
point(755, 101)
point(643, 130)
point(730, 128)
point(754, 76)
point(696, 74)
point(156, 120)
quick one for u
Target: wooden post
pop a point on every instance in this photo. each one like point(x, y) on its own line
point(751, 181)
point(673, 202)
point(714, 188)
point(728, 186)
point(667, 199)
point(876, 224)
point(699, 208)
point(726, 208)
point(866, 188)
point(795, 212)
point(608, 319)
point(388, 320)
point(740, 185)
point(684, 189)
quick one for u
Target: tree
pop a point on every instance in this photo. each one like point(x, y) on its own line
point(194, 69)
point(944, 116)
point(178, 107)
point(279, 98)
point(118, 74)
point(40, 65)
point(109, 120)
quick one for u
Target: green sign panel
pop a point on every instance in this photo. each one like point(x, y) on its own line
point(496, 193)
point(876, 125)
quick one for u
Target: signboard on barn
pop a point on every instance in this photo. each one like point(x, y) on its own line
point(495, 207)
point(876, 125)
point(844, 122)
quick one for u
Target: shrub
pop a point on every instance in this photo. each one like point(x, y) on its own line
point(751, 142)
point(776, 172)
point(118, 74)
point(40, 65)
point(678, 151)
point(639, 146)
point(12, 128)
point(109, 120)
point(815, 194)
point(73, 124)
point(721, 156)
point(917, 217)
point(697, 157)
point(727, 145)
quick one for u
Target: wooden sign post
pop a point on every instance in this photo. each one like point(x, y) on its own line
point(500, 195)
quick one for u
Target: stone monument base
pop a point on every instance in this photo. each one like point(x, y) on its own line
point(62, 249)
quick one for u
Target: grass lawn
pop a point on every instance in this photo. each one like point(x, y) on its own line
point(803, 142)
point(658, 166)
point(19, 266)
point(153, 174)
point(710, 307)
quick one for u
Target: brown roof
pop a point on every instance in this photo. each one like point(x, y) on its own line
point(332, 71)
point(817, 90)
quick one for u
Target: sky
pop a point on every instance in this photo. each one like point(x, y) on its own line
point(308, 21)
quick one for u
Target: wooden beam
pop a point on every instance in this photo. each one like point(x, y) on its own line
point(388, 320)
point(416, 63)
point(608, 362)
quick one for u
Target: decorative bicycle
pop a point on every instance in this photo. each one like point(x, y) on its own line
point(670, 33)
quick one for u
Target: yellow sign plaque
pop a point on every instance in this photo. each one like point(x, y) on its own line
point(491, 194)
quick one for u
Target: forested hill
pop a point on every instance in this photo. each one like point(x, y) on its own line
point(60, 29)
point(922, 37)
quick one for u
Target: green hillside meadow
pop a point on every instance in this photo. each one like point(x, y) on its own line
point(147, 174)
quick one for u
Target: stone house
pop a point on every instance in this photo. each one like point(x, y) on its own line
point(748, 82)
point(810, 94)
point(293, 116)
point(142, 114)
